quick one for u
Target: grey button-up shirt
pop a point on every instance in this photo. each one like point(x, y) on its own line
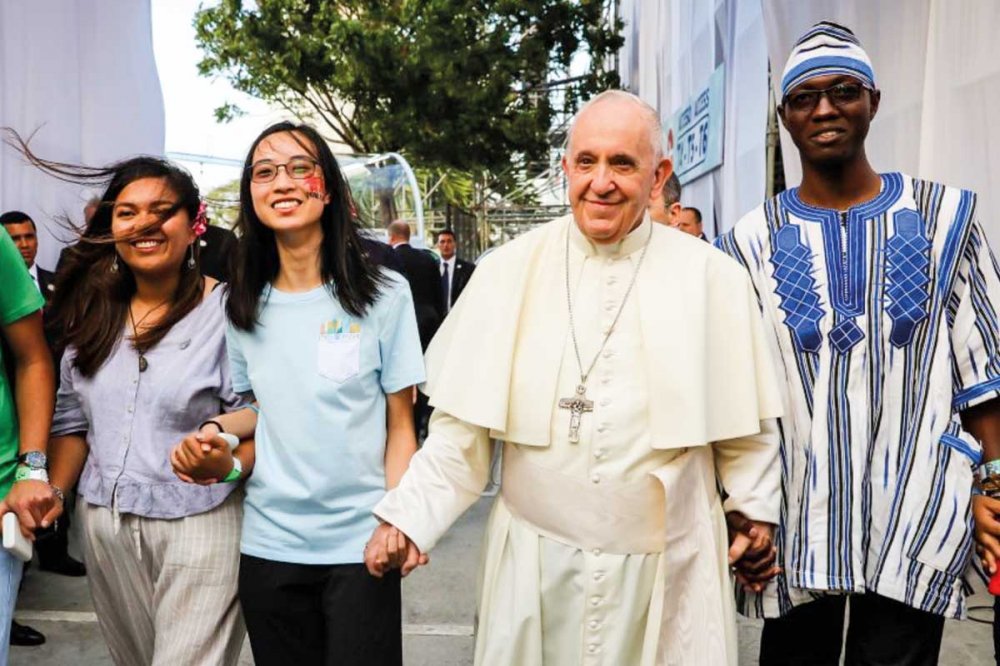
point(132, 420)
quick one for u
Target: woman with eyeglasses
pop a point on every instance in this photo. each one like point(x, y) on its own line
point(326, 344)
point(145, 363)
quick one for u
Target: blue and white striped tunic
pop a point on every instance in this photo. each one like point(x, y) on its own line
point(884, 322)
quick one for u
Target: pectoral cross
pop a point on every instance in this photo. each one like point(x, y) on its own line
point(576, 405)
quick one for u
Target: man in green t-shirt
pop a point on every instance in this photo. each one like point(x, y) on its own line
point(25, 418)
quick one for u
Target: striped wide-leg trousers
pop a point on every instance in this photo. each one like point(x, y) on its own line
point(165, 590)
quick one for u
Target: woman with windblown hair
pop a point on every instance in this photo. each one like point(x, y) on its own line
point(144, 364)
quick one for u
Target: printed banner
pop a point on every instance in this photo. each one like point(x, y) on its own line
point(695, 136)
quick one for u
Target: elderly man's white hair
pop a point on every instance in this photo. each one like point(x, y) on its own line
point(649, 116)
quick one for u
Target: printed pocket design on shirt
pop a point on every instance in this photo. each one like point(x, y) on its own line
point(339, 351)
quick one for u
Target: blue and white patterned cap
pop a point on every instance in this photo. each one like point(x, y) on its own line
point(827, 48)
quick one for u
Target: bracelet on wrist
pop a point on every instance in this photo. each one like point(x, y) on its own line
point(212, 422)
point(235, 473)
point(988, 478)
point(25, 473)
point(231, 440)
point(58, 492)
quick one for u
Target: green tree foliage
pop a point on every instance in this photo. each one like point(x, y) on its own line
point(455, 84)
point(223, 204)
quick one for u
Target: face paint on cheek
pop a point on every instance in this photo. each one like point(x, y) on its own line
point(315, 186)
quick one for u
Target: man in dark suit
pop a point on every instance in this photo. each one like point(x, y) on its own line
point(420, 268)
point(421, 271)
point(23, 232)
point(381, 254)
point(689, 221)
point(455, 271)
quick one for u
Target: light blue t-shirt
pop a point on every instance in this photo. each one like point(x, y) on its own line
point(321, 376)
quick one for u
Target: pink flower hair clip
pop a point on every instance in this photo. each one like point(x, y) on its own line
point(200, 224)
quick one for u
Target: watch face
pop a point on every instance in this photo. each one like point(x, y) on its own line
point(34, 459)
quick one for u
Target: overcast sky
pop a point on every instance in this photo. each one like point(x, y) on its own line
point(189, 99)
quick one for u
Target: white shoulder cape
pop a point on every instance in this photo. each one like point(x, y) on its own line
point(496, 359)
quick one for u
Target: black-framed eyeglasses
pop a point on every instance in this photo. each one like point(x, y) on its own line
point(298, 168)
point(839, 95)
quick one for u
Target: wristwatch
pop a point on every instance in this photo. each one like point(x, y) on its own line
point(34, 460)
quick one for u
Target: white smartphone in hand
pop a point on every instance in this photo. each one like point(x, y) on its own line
point(13, 541)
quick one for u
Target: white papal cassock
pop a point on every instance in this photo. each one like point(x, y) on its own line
point(611, 550)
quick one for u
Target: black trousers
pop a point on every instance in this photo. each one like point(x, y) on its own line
point(881, 632)
point(421, 416)
point(996, 629)
point(322, 615)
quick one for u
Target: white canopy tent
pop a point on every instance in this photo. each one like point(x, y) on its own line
point(372, 178)
point(933, 61)
point(671, 49)
point(940, 82)
point(81, 77)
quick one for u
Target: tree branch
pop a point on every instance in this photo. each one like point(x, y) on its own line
point(344, 118)
point(333, 122)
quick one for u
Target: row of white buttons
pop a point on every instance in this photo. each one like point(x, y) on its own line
point(595, 625)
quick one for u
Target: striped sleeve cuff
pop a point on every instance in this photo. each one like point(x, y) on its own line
point(977, 394)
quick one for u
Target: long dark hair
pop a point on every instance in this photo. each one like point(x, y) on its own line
point(90, 302)
point(344, 266)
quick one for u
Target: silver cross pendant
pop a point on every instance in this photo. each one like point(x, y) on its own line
point(576, 405)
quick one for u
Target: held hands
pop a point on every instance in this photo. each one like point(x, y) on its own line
point(985, 511)
point(34, 503)
point(388, 548)
point(203, 458)
point(752, 554)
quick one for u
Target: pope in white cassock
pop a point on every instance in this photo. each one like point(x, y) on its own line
point(624, 367)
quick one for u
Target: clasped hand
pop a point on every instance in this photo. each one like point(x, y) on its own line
point(388, 548)
point(985, 511)
point(35, 505)
point(752, 554)
point(202, 457)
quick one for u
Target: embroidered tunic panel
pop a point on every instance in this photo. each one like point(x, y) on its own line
point(884, 322)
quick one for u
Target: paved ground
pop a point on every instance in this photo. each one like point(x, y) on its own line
point(438, 609)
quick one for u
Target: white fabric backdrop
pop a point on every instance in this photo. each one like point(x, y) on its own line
point(82, 73)
point(935, 63)
point(672, 47)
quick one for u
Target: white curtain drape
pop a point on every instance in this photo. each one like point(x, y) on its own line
point(81, 76)
point(940, 80)
point(671, 49)
point(933, 59)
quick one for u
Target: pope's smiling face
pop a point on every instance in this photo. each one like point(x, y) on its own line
point(612, 168)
